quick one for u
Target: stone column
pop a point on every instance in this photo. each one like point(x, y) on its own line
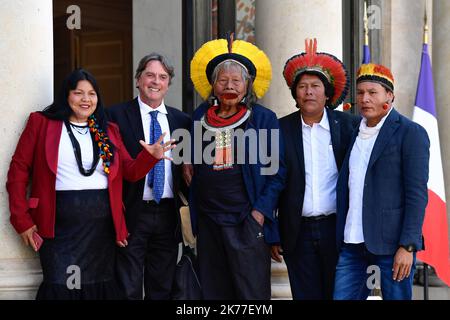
point(281, 29)
point(26, 85)
point(406, 29)
point(441, 73)
point(153, 32)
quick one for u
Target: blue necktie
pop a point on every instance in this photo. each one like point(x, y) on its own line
point(156, 175)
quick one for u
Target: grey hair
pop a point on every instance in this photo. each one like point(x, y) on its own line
point(250, 96)
point(155, 57)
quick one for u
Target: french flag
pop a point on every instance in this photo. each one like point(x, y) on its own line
point(435, 228)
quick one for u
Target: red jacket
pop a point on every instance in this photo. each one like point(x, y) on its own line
point(36, 157)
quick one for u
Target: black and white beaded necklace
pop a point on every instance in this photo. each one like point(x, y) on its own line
point(77, 149)
point(80, 129)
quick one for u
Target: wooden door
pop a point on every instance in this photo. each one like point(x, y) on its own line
point(104, 54)
point(103, 46)
point(64, 53)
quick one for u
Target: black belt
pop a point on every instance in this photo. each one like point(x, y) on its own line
point(163, 202)
point(318, 218)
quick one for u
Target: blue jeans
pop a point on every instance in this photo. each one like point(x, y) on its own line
point(352, 275)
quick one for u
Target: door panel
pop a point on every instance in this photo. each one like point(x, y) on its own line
point(104, 55)
point(103, 45)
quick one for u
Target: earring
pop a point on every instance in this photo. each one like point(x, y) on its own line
point(385, 106)
point(215, 101)
point(244, 100)
point(347, 106)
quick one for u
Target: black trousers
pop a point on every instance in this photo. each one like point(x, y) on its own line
point(150, 258)
point(312, 265)
point(234, 261)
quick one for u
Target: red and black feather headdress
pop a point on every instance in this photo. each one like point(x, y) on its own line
point(327, 66)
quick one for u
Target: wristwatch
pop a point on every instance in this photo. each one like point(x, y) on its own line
point(409, 247)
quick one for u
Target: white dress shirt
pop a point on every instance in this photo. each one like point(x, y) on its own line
point(320, 169)
point(164, 123)
point(359, 160)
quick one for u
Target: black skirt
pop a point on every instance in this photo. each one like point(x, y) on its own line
point(78, 264)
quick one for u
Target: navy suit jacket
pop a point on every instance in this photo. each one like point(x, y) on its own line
point(290, 208)
point(128, 117)
point(262, 190)
point(395, 188)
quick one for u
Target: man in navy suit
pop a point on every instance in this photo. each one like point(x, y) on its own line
point(316, 141)
point(152, 217)
point(381, 195)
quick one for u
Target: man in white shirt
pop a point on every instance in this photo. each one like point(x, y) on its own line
point(152, 203)
point(381, 195)
point(316, 140)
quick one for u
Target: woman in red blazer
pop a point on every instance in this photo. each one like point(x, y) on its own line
point(76, 162)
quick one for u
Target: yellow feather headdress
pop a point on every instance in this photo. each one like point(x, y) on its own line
point(216, 51)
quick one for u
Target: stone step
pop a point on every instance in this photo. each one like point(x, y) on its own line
point(281, 289)
point(434, 293)
point(19, 278)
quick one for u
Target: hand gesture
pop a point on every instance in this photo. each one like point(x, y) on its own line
point(188, 172)
point(258, 216)
point(122, 243)
point(275, 252)
point(158, 149)
point(27, 237)
point(403, 261)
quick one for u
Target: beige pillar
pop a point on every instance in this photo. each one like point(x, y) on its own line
point(26, 66)
point(441, 73)
point(157, 28)
point(407, 18)
point(281, 29)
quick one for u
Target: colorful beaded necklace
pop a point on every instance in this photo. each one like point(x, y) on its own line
point(223, 128)
point(102, 140)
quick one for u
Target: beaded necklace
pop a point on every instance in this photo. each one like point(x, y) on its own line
point(80, 129)
point(77, 152)
point(102, 141)
point(223, 128)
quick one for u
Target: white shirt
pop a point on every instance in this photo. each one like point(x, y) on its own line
point(68, 176)
point(164, 123)
point(359, 160)
point(320, 169)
